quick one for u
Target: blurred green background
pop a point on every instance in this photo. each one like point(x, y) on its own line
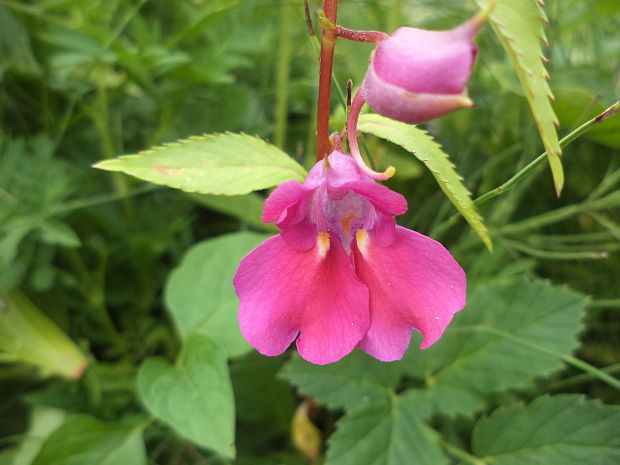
point(85, 80)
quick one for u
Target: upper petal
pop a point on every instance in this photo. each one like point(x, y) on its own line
point(414, 284)
point(281, 199)
point(284, 291)
point(346, 175)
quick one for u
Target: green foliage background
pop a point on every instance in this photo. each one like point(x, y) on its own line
point(132, 279)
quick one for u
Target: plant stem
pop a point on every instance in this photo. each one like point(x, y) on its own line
point(585, 127)
point(328, 43)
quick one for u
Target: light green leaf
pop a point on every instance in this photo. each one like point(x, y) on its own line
point(248, 208)
point(389, 433)
point(58, 233)
point(425, 149)
point(221, 164)
point(564, 429)
point(358, 379)
point(520, 26)
point(84, 440)
point(508, 333)
point(194, 396)
point(200, 295)
point(27, 334)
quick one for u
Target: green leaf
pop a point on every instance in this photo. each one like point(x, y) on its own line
point(248, 208)
point(222, 164)
point(357, 379)
point(84, 440)
point(389, 433)
point(194, 396)
point(30, 336)
point(200, 295)
point(564, 429)
point(425, 149)
point(508, 333)
point(519, 25)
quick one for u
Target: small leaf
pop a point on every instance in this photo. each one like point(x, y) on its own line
point(425, 149)
point(508, 333)
point(200, 295)
point(30, 336)
point(519, 25)
point(194, 396)
point(84, 440)
point(564, 429)
point(389, 433)
point(222, 164)
point(358, 379)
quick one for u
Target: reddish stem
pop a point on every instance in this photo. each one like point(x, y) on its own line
point(328, 42)
point(360, 36)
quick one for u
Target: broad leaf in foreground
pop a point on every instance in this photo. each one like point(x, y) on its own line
point(84, 440)
point(358, 379)
point(222, 164)
point(509, 333)
point(564, 429)
point(200, 294)
point(520, 26)
point(194, 396)
point(388, 433)
point(425, 149)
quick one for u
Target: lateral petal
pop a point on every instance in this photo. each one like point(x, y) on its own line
point(284, 291)
point(414, 284)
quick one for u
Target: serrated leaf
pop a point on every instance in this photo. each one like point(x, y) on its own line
point(519, 25)
point(564, 429)
point(389, 433)
point(84, 440)
point(425, 149)
point(194, 396)
point(222, 164)
point(199, 293)
point(509, 333)
point(357, 379)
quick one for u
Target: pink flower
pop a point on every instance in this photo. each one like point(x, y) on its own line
point(341, 274)
point(417, 75)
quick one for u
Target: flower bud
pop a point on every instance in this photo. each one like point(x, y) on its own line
point(417, 75)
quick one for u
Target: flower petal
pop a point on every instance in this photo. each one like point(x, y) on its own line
point(284, 291)
point(281, 199)
point(414, 284)
point(346, 175)
point(403, 105)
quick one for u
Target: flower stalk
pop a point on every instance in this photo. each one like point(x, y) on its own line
point(328, 42)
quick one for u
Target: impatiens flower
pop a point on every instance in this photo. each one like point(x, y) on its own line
point(416, 75)
point(341, 274)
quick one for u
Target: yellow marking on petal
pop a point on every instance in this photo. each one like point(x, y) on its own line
point(346, 222)
point(322, 241)
point(362, 240)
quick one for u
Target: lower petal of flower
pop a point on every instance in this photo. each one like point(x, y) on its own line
point(414, 284)
point(284, 292)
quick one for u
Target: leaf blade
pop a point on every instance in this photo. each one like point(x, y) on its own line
point(519, 24)
point(221, 164)
point(194, 396)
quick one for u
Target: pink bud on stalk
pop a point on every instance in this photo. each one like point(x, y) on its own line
point(417, 75)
